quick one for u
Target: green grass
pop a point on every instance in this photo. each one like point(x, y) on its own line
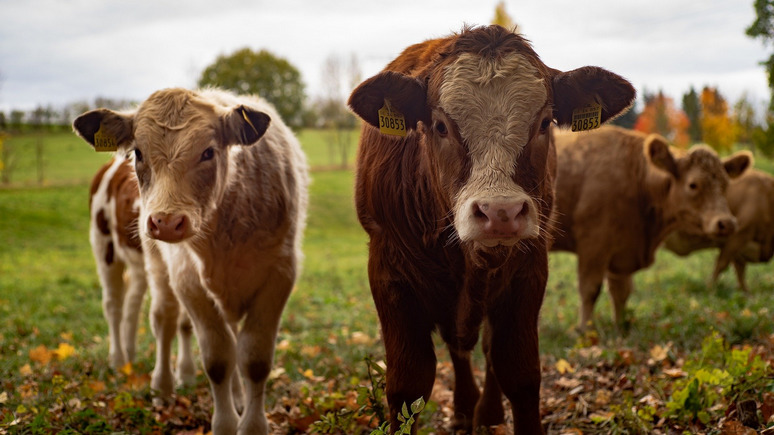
point(49, 294)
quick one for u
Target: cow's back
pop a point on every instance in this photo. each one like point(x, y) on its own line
point(599, 187)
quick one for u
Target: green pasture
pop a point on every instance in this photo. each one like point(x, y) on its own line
point(50, 294)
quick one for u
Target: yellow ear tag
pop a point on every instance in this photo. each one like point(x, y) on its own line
point(103, 141)
point(391, 121)
point(587, 118)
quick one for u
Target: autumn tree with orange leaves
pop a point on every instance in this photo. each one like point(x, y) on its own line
point(661, 116)
point(717, 128)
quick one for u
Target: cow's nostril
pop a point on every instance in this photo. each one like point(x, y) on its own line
point(478, 211)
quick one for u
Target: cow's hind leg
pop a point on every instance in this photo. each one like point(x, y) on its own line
point(255, 346)
point(739, 268)
point(621, 287)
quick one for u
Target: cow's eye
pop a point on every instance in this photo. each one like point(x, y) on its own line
point(545, 124)
point(137, 155)
point(693, 186)
point(208, 154)
point(440, 127)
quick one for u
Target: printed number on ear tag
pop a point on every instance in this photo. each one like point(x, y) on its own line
point(391, 121)
point(104, 142)
point(587, 118)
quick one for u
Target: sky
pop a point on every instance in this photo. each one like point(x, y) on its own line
point(57, 52)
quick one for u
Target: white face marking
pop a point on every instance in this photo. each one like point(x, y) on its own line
point(494, 103)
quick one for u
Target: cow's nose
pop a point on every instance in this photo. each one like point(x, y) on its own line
point(725, 226)
point(168, 227)
point(500, 218)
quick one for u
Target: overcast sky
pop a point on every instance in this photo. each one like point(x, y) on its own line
point(61, 51)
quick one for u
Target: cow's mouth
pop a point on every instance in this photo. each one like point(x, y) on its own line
point(493, 243)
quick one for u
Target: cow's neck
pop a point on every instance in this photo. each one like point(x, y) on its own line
point(661, 218)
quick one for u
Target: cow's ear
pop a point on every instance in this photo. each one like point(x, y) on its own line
point(737, 163)
point(113, 127)
point(244, 126)
point(588, 85)
point(404, 94)
point(658, 152)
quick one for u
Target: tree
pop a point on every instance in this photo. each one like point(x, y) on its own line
point(661, 116)
point(763, 29)
point(502, 18)
point(692, 109)
point(272, 78)
point(333, 113)
point(744, 120)
point(716, 126)
point(627, 119)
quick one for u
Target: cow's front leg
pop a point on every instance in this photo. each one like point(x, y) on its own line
point(466, 392)
point(135, 293)
point(407, 335)
point(256, 351)
point(489, 410)
point(514, 353)
point(163, 318)
point(218, 352)
point(591, 273)
point(185, 373)
point(112, 280)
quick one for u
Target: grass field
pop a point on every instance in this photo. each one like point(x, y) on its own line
point(53, 345)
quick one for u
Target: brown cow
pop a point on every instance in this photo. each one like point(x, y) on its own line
point(223, 190)
point(751, 200)
point(457, 210)
point(619, 193)
point(114, 204)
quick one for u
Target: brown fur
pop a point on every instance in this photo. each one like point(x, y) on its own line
point(223, 187)
point(620, 192)
point(422, 275)
point(751, 200)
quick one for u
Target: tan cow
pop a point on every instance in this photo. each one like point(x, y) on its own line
point(223, 190)
point(114, 204)
point(751, 200)
point(619, 193)
point(454, 187)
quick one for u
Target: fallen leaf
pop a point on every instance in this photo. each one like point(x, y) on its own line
point(41, 355)
point(67, 336)
point(126, 369)
point(562, 366)
point(64, 351)
point(659, 353)
point(25, 370)
point(3, 397)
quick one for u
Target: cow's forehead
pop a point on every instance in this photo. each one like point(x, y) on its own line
point(494, 101)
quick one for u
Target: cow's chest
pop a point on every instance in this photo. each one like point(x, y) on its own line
point(231, 278)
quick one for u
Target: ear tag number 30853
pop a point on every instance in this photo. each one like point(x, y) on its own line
point(391, 121)
point(587, 118)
